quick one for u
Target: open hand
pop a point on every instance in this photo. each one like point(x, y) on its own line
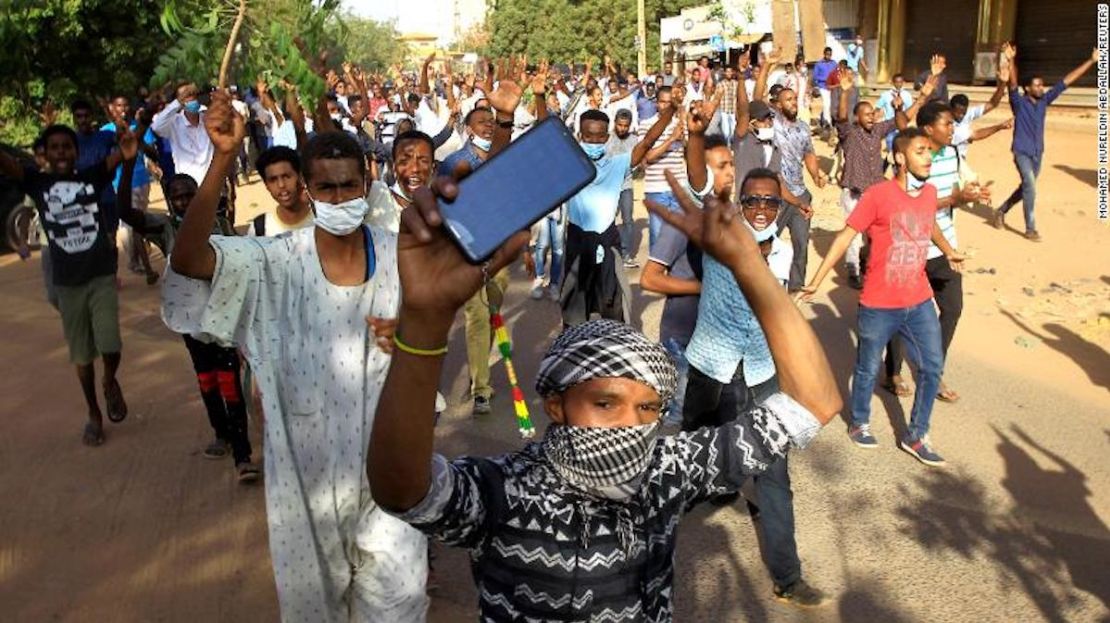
point(805, 295)
point(225, 127)
point(539, 79)
point(506, 98)
point(937, 65)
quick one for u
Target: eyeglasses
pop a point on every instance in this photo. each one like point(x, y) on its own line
point(765, 203)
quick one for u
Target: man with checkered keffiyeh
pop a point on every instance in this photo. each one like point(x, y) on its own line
point(582, 525)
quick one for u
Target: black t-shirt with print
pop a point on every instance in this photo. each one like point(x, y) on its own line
point(78, 230)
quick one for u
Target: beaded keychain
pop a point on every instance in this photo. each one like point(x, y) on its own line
point(505, 347)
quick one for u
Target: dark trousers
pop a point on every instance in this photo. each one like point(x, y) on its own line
point(217, 371)
point(791, 218)
point(948, 292)
point(711, 403)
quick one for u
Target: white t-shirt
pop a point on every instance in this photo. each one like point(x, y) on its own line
point(961, 134)
point(274, 226)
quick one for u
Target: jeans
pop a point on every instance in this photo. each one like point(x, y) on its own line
point(711, 403)
point(677, 351)
point(948, 292)
point(728, 124)
point(1029, 168)
point(791, 218)
point(654, 222)
point(549, 234)
point(920, 331)
point(624, 207)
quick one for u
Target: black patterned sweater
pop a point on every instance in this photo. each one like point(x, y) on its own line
point(542, 550)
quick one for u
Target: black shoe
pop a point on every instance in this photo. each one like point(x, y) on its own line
point(855, 281)
point(800, 594)
point(724, 499)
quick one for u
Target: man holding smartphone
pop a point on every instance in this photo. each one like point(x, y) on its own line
point(595, 282)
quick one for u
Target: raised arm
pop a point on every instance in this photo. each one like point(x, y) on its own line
point(761, 77)
point(803, 370)
point(696, 171)
point(743, 109)
point(539, 91)
point(1078, 72)
point(423, 84)
point(654, 132)
point(435, 282)
point(999, 90)
point(504, 101)
point(990, 130)
point(192, 256)
point(1009, 52)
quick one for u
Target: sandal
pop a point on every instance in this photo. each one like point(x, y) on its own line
point(248, 472)
point(117, 407)
point(899, 388)
point(947, 395)
point(93, 435)
point(218, 449)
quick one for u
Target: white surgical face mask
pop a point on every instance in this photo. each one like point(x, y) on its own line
point(913, 182)
point(764, 234)
point(340, 219)
point(481, 143)
point(765, 135)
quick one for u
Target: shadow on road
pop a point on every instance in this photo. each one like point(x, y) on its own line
point(1092, 358)
point(1087, 176)
point(1028, 544)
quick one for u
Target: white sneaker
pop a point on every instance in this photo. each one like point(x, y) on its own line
point(554, 292)
point(537, 288)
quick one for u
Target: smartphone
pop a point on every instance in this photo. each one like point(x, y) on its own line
point(515, 188)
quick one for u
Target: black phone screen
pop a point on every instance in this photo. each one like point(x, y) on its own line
point(515, 188)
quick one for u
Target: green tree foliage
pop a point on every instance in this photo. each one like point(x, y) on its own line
point(64, 49)
point(370, 44)
point(575, 30)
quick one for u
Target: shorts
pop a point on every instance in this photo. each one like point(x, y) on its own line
point(90, 319)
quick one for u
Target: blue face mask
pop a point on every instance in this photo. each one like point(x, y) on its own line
point(595, 151)
point(193, 106)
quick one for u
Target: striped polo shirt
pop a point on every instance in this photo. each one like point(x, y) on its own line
point(944, 176)
point(673, 161)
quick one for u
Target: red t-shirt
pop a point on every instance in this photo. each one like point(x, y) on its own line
point(834, 79)
point(900, 227)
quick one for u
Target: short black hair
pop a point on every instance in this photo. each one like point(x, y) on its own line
point(666, 88)
point(903, 138)
point(761, 173)
point(469, 115)
point(276, 154)
point(855, 109)
point(333, 145)
point(959, 99)
point(413, 98)
point(897, 76)
point(828, 49)
point(80, 104)
point(182, 178)
point(624, 114)
point(594, 115)
point(930, 112)
point(412, 135)
point(59, 128)
point(351, 99)
point(1031, 78)
point(715, 141)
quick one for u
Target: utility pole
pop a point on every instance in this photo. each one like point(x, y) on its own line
point(641, 34)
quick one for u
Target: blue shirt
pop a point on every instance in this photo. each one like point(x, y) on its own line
point(467, 153)
point(821, 72)
point(1029, 120)
point(855, 55)
point(645, 106)
point(93, 148)
point(594, 208)
point(140, 177)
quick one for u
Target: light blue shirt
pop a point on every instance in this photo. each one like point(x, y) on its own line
point(855, 55)
point(594, 208)
point(727, 333)
point(139, 177)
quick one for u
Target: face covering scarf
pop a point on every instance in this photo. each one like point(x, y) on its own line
point(192, 106)
point(340, 219)
point(606, 462)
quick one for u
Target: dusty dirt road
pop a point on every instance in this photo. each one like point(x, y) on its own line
point(1014, 529)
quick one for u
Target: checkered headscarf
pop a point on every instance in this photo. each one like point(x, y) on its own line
point(605, 349)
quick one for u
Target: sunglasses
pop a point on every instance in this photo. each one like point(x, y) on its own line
point(766, 203)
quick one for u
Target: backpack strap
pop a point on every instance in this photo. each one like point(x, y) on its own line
point(260, 225)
